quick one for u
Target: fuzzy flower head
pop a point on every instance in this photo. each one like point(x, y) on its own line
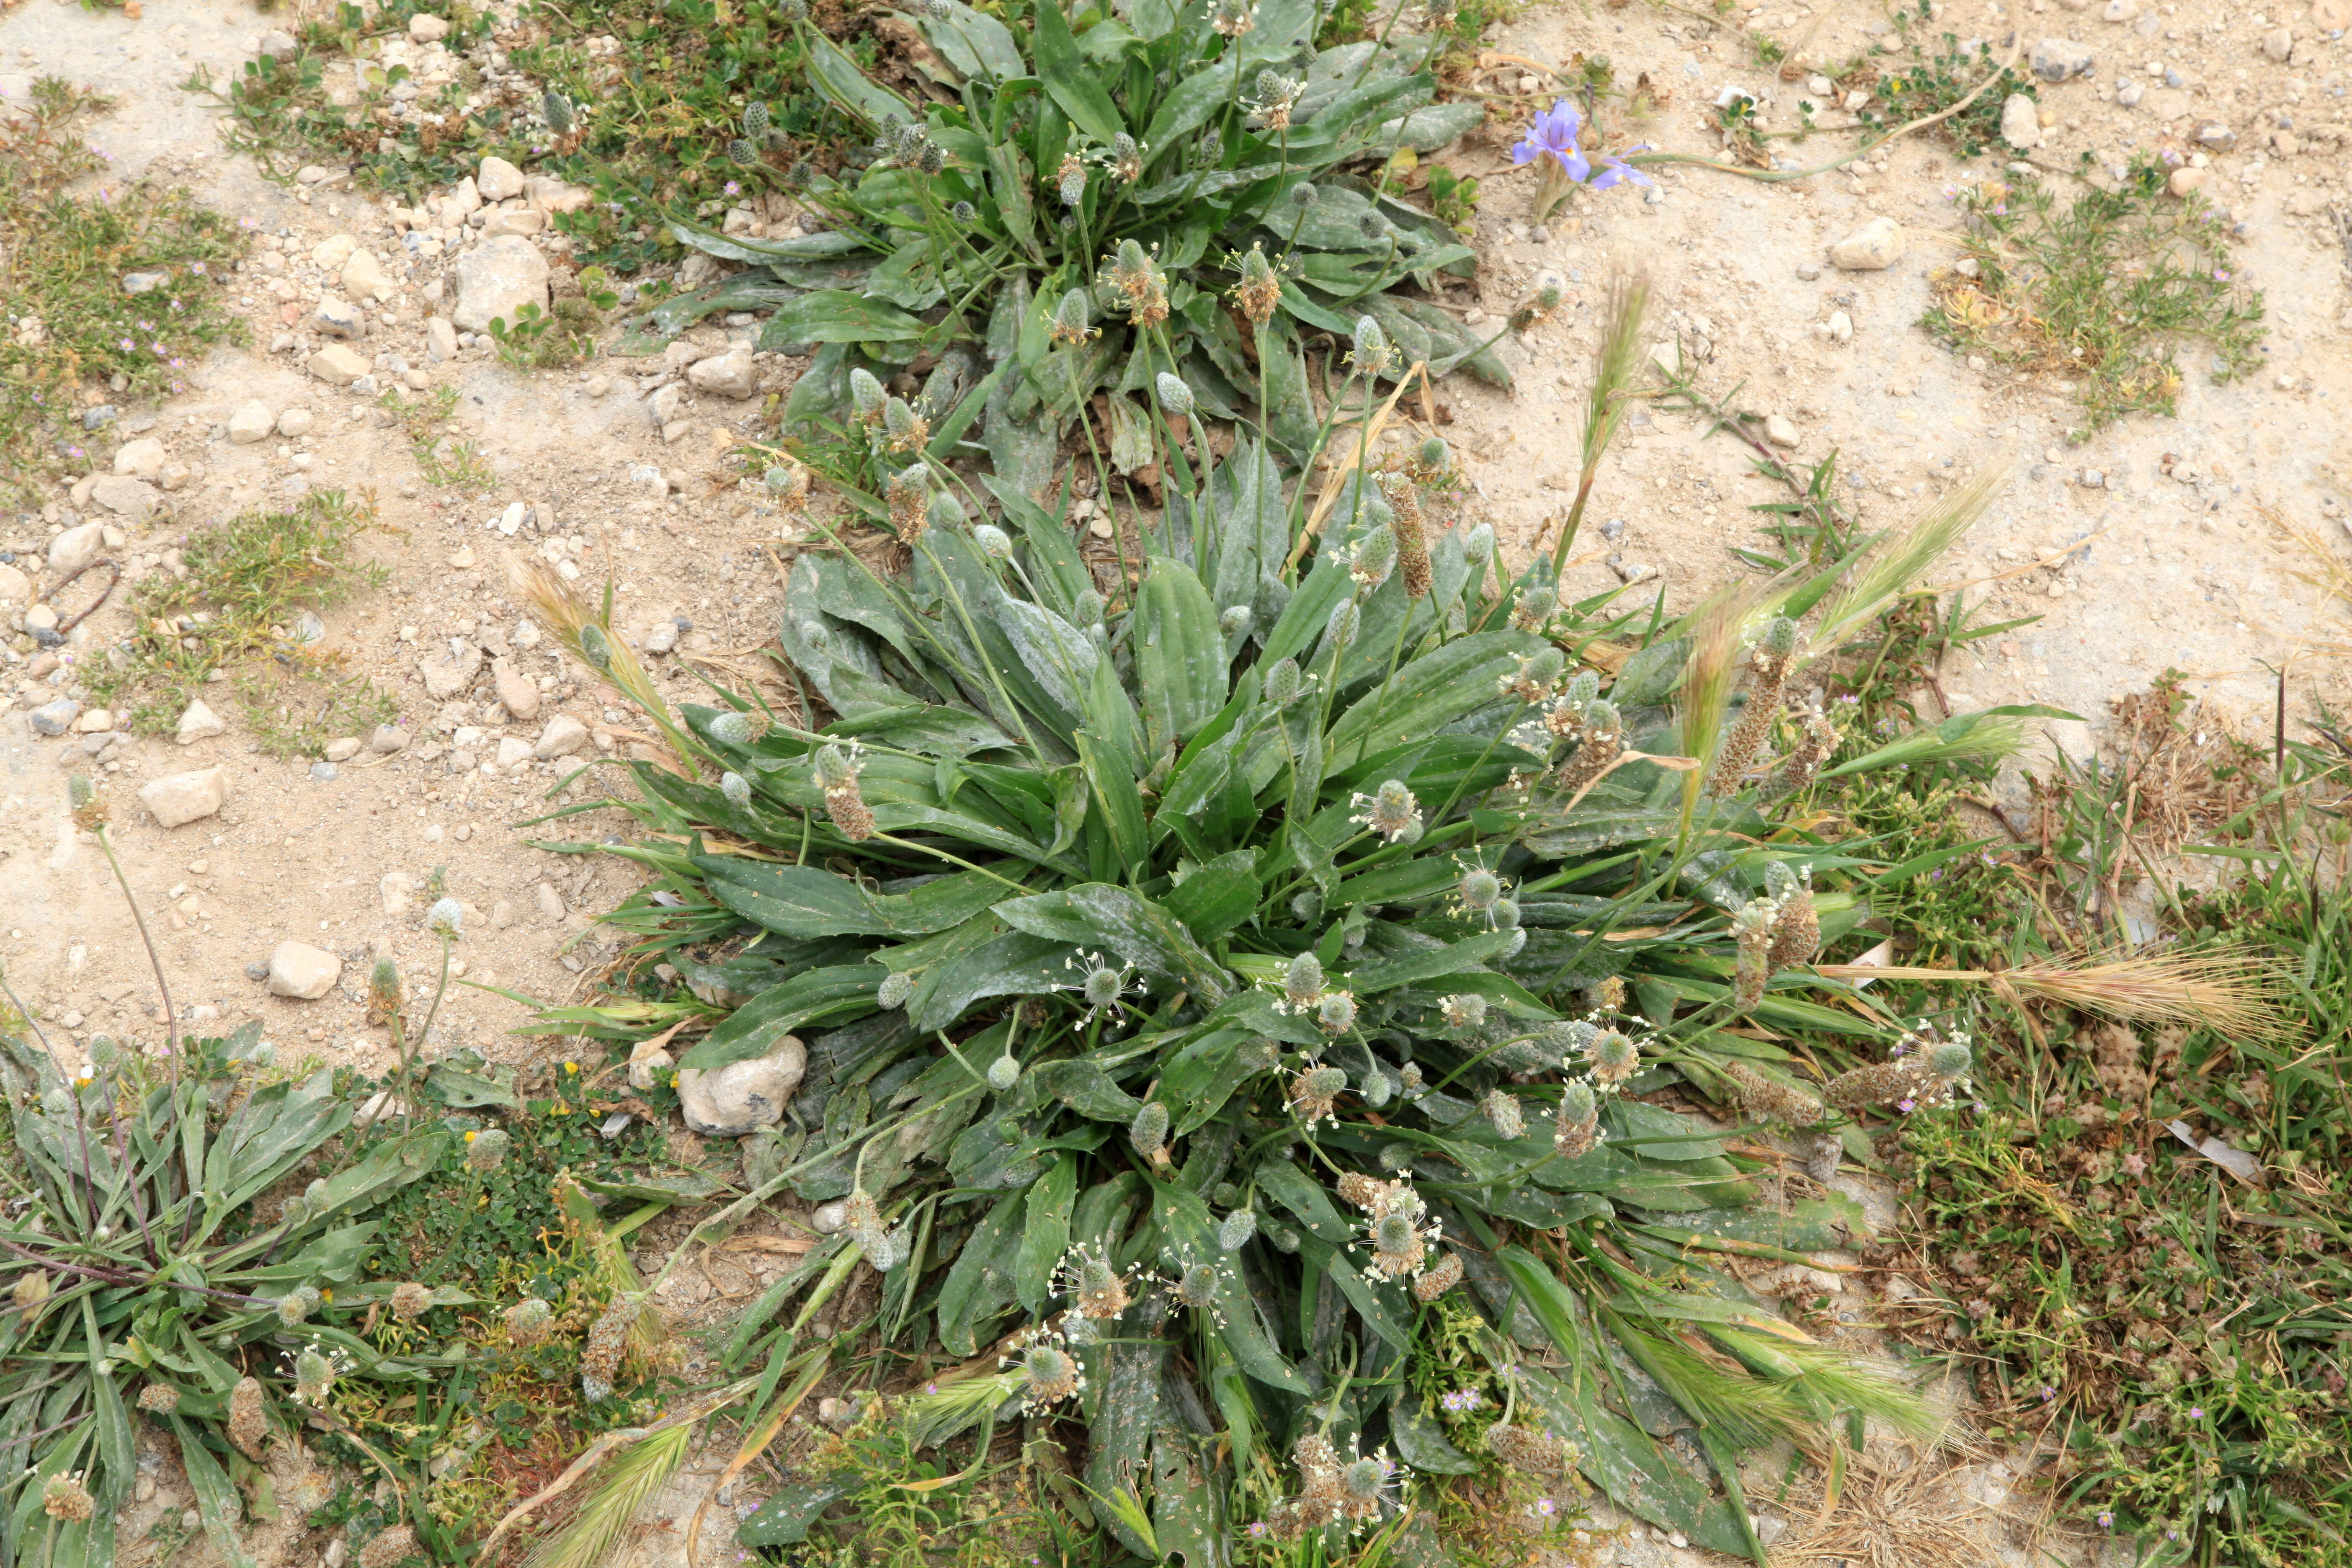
point(1553, 137)
point(1124, 158)
point(1234, 18)
point(1477, 890)
point(1197, 1284)
point(1098, 1290)
point(1465, 1011)
point(445, 918)
point(1302, 982)
point(1613, 1058)
point(1072, 323)
point(1276, 96)
point(1534, 605)
point(1399, 1242)
point(1370, 351)
point(1373, 557)
point(528, 1321)
point(1141, 286)
point(1336, 1013)
point(1259, 291)
point(314, 1374)
point(66, 1500)
point(1050, 1373)
point(1102, 984)
point(1503, 1109)
point(1390, 811)
point(1315, 1092)
point(1534, 679)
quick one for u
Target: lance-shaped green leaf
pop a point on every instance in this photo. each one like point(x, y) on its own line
point(839, 991)
point(1180, 654)
point(802, 900)
point(1100, 915)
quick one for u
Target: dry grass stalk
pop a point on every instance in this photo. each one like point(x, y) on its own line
point(2224, 989)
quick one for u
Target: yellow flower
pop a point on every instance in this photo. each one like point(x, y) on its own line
point(469, 1137)
point(570, 1067)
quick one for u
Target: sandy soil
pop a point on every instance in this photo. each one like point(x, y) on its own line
point(2175, 560)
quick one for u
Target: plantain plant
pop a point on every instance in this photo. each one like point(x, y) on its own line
point(162, 1265)
point(1233, 971)
point(1064, 216)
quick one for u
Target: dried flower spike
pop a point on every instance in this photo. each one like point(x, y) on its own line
point(836, 772)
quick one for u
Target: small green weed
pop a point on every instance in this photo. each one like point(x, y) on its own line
point(293, 707)
point(247, 583)
point(71, 321)
point(2102, 292)
point(440, 456)
point(2176, 1332)
point(1934, 82)
point(1454, 199)
point(548, 339)
point(648, 126)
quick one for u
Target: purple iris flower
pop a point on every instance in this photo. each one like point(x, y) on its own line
point(1553, 135)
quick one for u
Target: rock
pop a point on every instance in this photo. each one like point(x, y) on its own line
point(552, 196)
point(742, 1096)
point(498, 180)
point(496, 280)
point(339, 319)
point(2278, 44)
point(2128, 95)
point(322, 772)
point(2186, 180)
point(2057, 60)
point(184, 797)
point(96, 722)
point(450, 673)
point(662, 636)
point(827, 1219)
point(516, 692)
point(394, 890)
point(597, 385)
point(134, 498)
point(141, 459)
point(337, 365)
point(333, 251)
point(297, 422)
point(647, 479)
point(363, 278)
point(1780, 432)
point(2285, 143)
point(77, 547)
point(198, 722)
point(664, 402)
point(1875, 247)
point(278, 46)
point(440, 341)
point(55, 718)
point(2021, 122)
point(1807, 271)
point(428, 29)
point(524, 221)
point(2120, 11)
point(16, 588)
point(514, 751)
point(1840, 327)
point(2217, 135)
point(387, 739)
point(343, 749)
point(302, 972)
point(252, 421)
point(729, 374)
point(40, 618)
point(563, 735)
point(549, 902)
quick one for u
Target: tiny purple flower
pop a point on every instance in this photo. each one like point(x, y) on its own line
point(1905, 1104)
point(2106, 1518)
point(1553, 135)
point(733, 188)
point(2197, 1413)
